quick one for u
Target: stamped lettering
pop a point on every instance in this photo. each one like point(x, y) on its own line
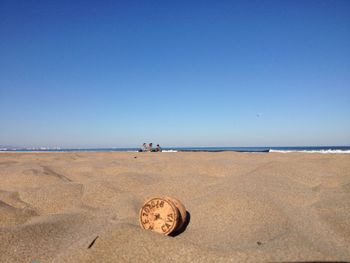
point(158, 215)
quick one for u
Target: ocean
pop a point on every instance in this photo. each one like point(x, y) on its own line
point(284, 149)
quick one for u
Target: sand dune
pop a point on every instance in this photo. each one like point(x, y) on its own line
point(83, 207)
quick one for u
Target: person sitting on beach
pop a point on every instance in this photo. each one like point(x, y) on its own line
point(150, 148)
point(158, 148)
point(143, 148)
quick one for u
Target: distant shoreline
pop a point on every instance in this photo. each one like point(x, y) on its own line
point(307, 149)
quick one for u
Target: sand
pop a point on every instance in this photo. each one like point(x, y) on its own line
point(251, 207)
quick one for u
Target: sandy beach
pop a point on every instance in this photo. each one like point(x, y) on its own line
point(250, 207)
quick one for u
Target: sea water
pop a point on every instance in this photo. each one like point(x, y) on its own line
point(282, 149)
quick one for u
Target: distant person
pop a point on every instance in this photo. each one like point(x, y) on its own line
point(158, 148)
point(143, 148)
point(150, 147)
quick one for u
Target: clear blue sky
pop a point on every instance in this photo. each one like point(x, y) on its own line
point(178, 73)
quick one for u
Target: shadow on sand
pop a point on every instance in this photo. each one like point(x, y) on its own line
point(183, 228)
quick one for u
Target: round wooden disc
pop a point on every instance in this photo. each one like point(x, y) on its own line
point(159, 215)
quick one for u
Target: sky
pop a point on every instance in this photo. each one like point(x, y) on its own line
point(178, 73)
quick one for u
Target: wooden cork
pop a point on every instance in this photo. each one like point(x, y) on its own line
point(163, 215)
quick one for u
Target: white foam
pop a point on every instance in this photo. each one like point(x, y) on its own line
point(169, 151)
point(311, 151)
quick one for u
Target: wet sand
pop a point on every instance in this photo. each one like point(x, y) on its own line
point(255, 207)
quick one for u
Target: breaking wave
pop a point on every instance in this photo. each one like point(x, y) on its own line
point(310, 151)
